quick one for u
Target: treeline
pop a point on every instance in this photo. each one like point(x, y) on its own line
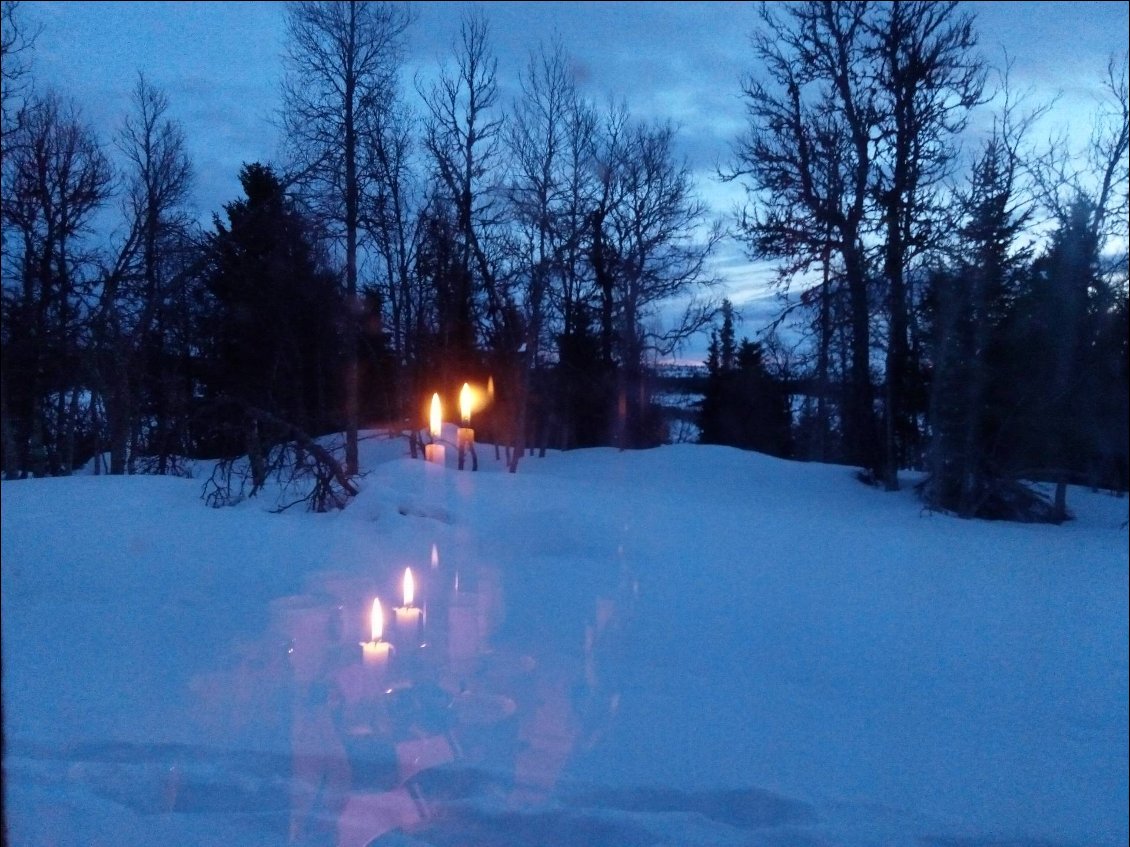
point(969, 320)
point(963, 296)
point(409, 243)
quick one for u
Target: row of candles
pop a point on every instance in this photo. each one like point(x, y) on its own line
point(375, 652)
point(464, 435)
point(464, 628)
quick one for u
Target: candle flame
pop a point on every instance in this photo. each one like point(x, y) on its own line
point(436, 419)
point(465, 401)
point(409, 587)
point(435, 557)
point(377, 620)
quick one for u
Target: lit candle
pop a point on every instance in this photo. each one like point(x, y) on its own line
point(408, 617)
point(435, 452)
point(465, 435)
point(375, 652)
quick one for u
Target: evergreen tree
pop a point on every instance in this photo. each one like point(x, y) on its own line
point(1055, 372)
point(584, 383)
point(967, 306)
point(743, 405)
point(274, 316)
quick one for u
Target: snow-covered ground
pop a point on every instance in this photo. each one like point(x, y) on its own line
point(684, 646)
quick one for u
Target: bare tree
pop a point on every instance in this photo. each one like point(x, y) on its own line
point(56, 181)
point(651, 241)
point(342, 60)
point(16, 43)
point(928, 78)
point(537, 140)
point(663, 239)
point(1098, 171)
point(545, 207)
point(462, 135)
point(853, 123)
point(807, 163)
point(135, 288)
point(390, 210)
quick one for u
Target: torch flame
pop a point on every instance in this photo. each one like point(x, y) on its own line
point(436, 417)
point(465, 404)
point(377, 620)
point(409, 587)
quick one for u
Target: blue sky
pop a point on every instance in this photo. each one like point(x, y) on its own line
point(220, 65)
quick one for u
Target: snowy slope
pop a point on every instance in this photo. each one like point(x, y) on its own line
point(775, 655)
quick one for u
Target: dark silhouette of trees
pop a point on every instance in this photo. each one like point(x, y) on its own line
point(270, 331)
point(463, 137)
point(395, 302)
point(743, 405)
point(17, 40)
point(148, 270)
point(412, 246)
point(1028, 353)
point(969, 304)
point(852, 124)
point(650, 242)
point(541, 203)
point(928, 79)
point(807, 164)
point(56, 179)
point(1058, 373)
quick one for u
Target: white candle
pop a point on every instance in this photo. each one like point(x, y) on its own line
point(435, 453)
point(465, 436)
point(375, 652)
point(408, 617)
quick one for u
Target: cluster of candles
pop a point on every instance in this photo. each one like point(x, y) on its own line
point(462, 634)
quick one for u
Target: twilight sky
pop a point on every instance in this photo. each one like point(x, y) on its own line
point(219, 63)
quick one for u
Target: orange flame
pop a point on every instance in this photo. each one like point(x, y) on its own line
point(409, 587)
point(465, 401)
point(377, 620)
point(436, 417)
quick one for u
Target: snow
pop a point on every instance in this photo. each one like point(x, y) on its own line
point(689, 645)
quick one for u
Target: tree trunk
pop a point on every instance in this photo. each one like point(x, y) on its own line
point(859, 414)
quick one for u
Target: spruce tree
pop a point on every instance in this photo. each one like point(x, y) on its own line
point(273, 317)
